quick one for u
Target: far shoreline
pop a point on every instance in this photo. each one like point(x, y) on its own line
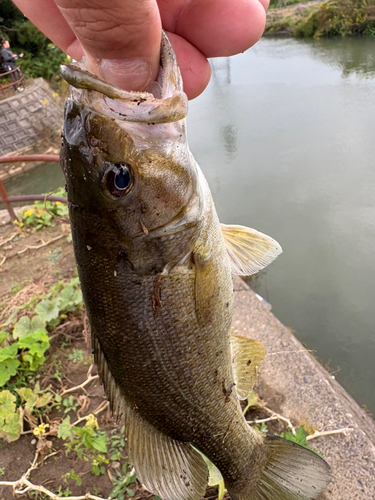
point(316, 18)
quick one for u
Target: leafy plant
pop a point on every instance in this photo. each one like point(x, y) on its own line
point(122, 482)
point(10, 419)
point(73, 476)
point(40, 214)
point(215, 478)
point(76, 356)
point(86, 441)
point(15, 288)
point(28, 404)
point(299, 438)
point(24, 349)
point(117, 444)
point(262, 427)
point(55, 255)
point(67, 404)
point(27, 351)
point(98, 464)
point(63, 493)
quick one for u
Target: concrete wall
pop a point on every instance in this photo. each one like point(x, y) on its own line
point(30, 120)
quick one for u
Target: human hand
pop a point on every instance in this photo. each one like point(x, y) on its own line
point(121, 38)
point(21, 55)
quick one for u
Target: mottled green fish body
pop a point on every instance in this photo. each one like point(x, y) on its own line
point(156, 270)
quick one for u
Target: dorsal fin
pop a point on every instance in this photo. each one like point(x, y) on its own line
point(248, 249)
point(247, 355)
point(171, 469)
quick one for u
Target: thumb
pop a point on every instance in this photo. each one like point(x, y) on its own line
point(120, 38)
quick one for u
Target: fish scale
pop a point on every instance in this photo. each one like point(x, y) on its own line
point(155, 266)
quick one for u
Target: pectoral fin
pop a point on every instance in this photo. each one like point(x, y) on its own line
point(248, 249)
point(247, 356)
point(205, 289)
point(168, 468)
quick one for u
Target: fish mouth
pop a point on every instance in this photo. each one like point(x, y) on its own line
point(166, 103)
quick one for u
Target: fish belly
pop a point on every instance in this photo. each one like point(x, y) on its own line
point(175, 372)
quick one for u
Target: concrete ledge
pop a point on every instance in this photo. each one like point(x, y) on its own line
point(306, 392)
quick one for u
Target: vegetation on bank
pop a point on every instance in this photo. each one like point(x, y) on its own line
point(326, 18)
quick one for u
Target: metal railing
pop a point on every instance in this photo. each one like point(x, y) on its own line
point(13, 75)
point(8, 200)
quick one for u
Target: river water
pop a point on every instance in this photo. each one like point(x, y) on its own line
point(285, 136)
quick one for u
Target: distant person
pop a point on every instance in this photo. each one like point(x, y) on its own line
point(9, 63)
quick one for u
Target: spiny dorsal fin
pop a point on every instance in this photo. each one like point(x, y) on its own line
point(248, 249)
point(290, 472)
point(166, 467)
point(247, 355)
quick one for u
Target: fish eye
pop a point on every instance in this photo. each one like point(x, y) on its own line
point(118, 179)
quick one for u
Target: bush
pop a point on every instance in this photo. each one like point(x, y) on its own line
point(339, 17)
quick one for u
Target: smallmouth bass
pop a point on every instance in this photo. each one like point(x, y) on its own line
point(155, 266)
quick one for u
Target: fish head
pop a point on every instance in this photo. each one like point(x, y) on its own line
point(128, 169)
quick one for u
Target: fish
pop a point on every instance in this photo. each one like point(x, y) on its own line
point(155, 266)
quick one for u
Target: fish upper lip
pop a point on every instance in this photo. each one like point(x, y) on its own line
point(123, 105)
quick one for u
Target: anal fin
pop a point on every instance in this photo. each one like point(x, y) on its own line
point(248, 249)
point(171, 469)
point(247, 356)
point(168, 468)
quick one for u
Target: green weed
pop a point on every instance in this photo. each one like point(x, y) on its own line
point(63, 493)
point(299, 438)
point(23, 349)
point(122, 482)
point(67, 404)
point(76, 356)
point(16, 288)
point(22, 403)
point(41, 213)
point(73, 476)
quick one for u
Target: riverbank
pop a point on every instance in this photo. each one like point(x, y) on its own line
point(318, 18)
point(299, 388)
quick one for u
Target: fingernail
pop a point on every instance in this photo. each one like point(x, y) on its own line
point(133, 73)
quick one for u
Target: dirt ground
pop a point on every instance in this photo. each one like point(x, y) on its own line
point(30, 262)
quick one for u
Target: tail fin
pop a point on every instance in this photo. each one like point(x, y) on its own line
point(290, 472)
